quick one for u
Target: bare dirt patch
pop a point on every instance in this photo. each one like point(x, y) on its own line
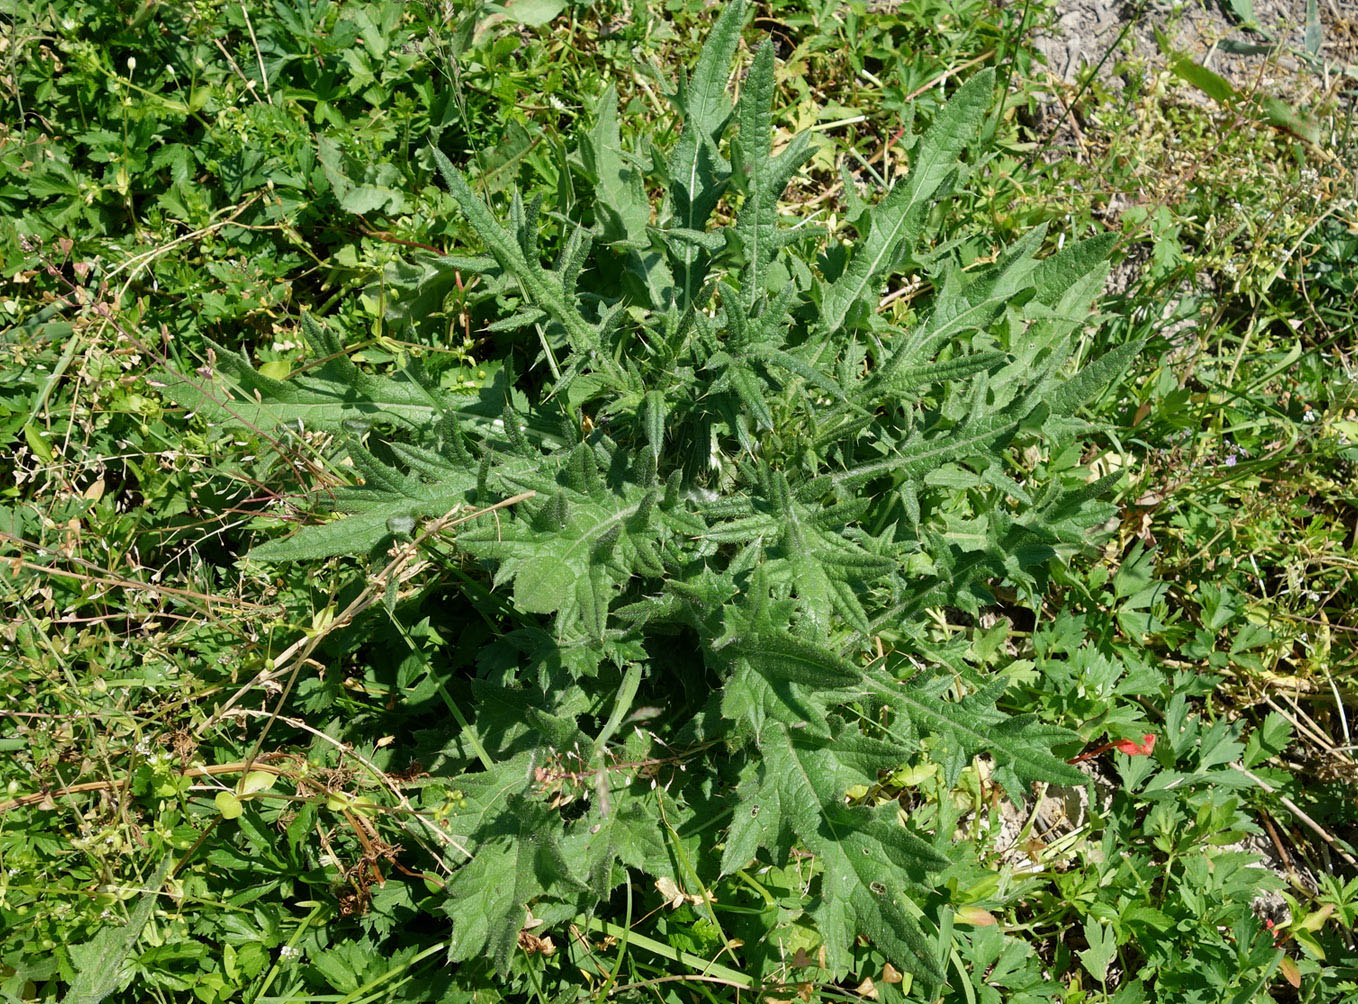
point(1268, 54)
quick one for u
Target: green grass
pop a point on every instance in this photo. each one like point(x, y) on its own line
point(285, 738)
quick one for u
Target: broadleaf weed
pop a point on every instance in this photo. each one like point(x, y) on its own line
point(767, 485)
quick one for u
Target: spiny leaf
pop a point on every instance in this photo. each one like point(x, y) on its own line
point(765, 176)
point(697, 176)
point(784, 658)
point(626, 831)
point(620, 196)
point(1092, 379)
point(547, 566)
point(870, 862)
point(437, 487)
point(99, 962)
point(896, 221)
point(1020, 746)
point(545, 290)
point(1058, 272)
point(574, 563)
point(517, 859)
point(336, 392)
point(918, 454)
point(966, 307)
point(778, 676)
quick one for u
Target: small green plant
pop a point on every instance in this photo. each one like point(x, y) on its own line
point(722, 498)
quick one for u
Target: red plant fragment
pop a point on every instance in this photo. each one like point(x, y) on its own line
point(1129, 746)
point(1133, 748)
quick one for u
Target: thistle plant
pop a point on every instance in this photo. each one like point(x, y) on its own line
point(744, 487)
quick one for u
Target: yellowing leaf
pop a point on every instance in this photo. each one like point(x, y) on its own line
point(256, 780)
point(669, 889)
point(975, 916)
point(227, 804)
point(1290, 971)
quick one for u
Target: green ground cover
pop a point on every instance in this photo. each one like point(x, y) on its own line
point(554, 502)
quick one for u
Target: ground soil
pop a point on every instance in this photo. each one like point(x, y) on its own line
point(1271, 57)
point(1276, 51)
